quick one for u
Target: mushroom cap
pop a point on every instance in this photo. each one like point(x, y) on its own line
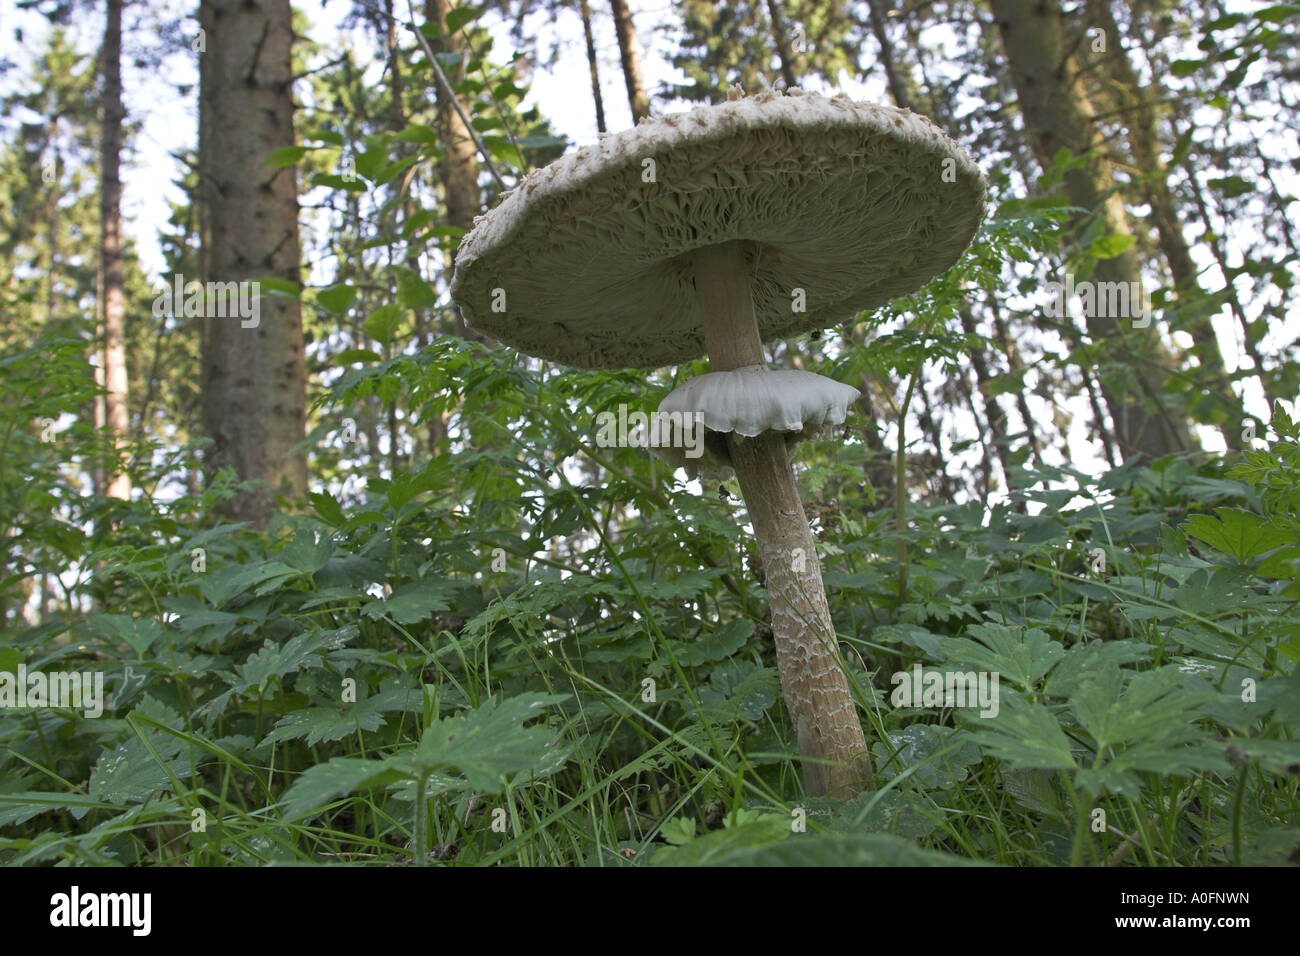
point(853, 203)
point(750, 401)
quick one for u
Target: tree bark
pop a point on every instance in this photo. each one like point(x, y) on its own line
point(596, 95)
point(458, 170)
point(1139, 116)
point(813, 684)
point(898, 88)
point(110, 245)
point(1058, 114)
point(781, 39)
point(629, 51)
point(254, 381)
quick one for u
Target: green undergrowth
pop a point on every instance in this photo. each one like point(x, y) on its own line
point(531, 650)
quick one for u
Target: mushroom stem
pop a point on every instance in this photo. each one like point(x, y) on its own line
point(813, 683)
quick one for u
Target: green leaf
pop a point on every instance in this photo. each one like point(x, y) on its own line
point(412, 290)
point(1278, 12)
point(130, 773)
point(748, 689)
point(491, 742)
point(457, 17)
point(382, 323)
point(327, 507)
point(224, 583)
point(308, 551)
point(715, 647)
point(337, 298)
point(348, 356)
point(1025, 734)
point(274, 661)
point(501, 148)
point(390, 171)
point(335, 181)
point(336, 778)
point(1020, 656)
point(1232, 186)
point(838, 850)
point(414, 602)
point(285, 157)
point(1238, 533)
point(20, 807)
point(282, 288)
point(678, 830)
point(325, 724)
point(370, 162)
point(922, 746)
point(418, 133)
point(10, 658)
point(138, 633)
point(541, 142)
point(1107, 247)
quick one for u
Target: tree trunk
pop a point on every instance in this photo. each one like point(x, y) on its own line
point(1139, 116)
point(110, 245)
point(459, 167)
point(898, 87)
point(1058, 114)
point(254, 380)
point(781, 39)
point(629, 51)
point(997, 418)
point(596, 95)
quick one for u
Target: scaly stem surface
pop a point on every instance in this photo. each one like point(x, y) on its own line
point(813, 683)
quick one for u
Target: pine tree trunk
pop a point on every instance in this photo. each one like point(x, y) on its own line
point(781, 39)
point(1058, 114)
point(459, 167)
point(254, 380)
point(596, 96)
point(629, 51)
point(1139, 116)
point(110, 244)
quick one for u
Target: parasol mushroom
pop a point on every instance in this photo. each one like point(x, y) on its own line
point(712, 232)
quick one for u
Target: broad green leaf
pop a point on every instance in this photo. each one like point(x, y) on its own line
point(1239, 533)
point(337, 298)
point(328, 508)
point(922, 746)
point(721, 644)
point(324, 724)
point(1107, 247)
point(138, 633)
point(1020, 656)
point(414, 602)
point(1025, 734)
point(274, 661)
point(130, 773)
point(491, 742)
point(335, 778)
point(286, 156)
point(457, 17)
point(412, 290)
point(382, 324)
